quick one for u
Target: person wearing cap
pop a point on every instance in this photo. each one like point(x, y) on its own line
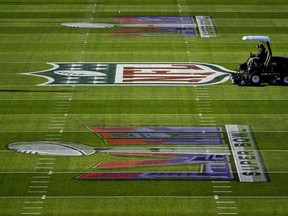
point(258, 58)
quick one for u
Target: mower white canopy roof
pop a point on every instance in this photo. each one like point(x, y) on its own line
point(263, 39)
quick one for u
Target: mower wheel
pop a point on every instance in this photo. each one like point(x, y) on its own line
point(272, 81)
point(235, 80)
point(242, 83)
point(255, 78)
point(284, 79)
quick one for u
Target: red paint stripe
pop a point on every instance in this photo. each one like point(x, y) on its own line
point(172, 67)
point(161, 80)
point(131, 142)
point(155, 77)
point(103, 175)
point(144, 154)
point(112, 129)
point(108, 165)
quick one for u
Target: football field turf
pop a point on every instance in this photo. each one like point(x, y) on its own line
point(32, 110)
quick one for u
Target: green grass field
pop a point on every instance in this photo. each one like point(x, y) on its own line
point(31, 36)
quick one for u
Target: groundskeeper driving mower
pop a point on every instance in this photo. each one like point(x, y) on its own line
point(267, 69)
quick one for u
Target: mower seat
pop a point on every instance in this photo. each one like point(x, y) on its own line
point(261, 65)
point(267, 60)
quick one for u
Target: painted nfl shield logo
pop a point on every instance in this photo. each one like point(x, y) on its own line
point(89, 74)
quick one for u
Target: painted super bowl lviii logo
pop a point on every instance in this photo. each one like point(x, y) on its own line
point(93, 73)
point(153, 26)
point(163, 152)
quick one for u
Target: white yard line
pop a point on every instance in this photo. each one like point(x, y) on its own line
point(149, 197)
point(31, 213)
point(204, 106)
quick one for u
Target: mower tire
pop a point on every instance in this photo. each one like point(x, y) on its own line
point(284, 79)
point(255, 79)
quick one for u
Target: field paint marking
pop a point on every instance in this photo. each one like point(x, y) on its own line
point(144, 197)
point(53, 135)
point(53, 139)
point(62, 106)
point(44, 167)
point(204, 97)
point(167, 197)
point(39, 202)
point(200, 108)
point(201, 94)
point(58, 121)
point(188, 115)
point(206, 111)
point(55, 128)
point(40, 182)
point(60, 102)
point(45, 163)
point(37, 192)
point(41, 177)
point(64, 96)
point(77, 172)
point(207, 121)
point(30, 213)
point(228, 213)
point(205, 107)
point(55, 123)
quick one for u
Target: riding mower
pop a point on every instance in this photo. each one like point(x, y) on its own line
point(272, 70)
